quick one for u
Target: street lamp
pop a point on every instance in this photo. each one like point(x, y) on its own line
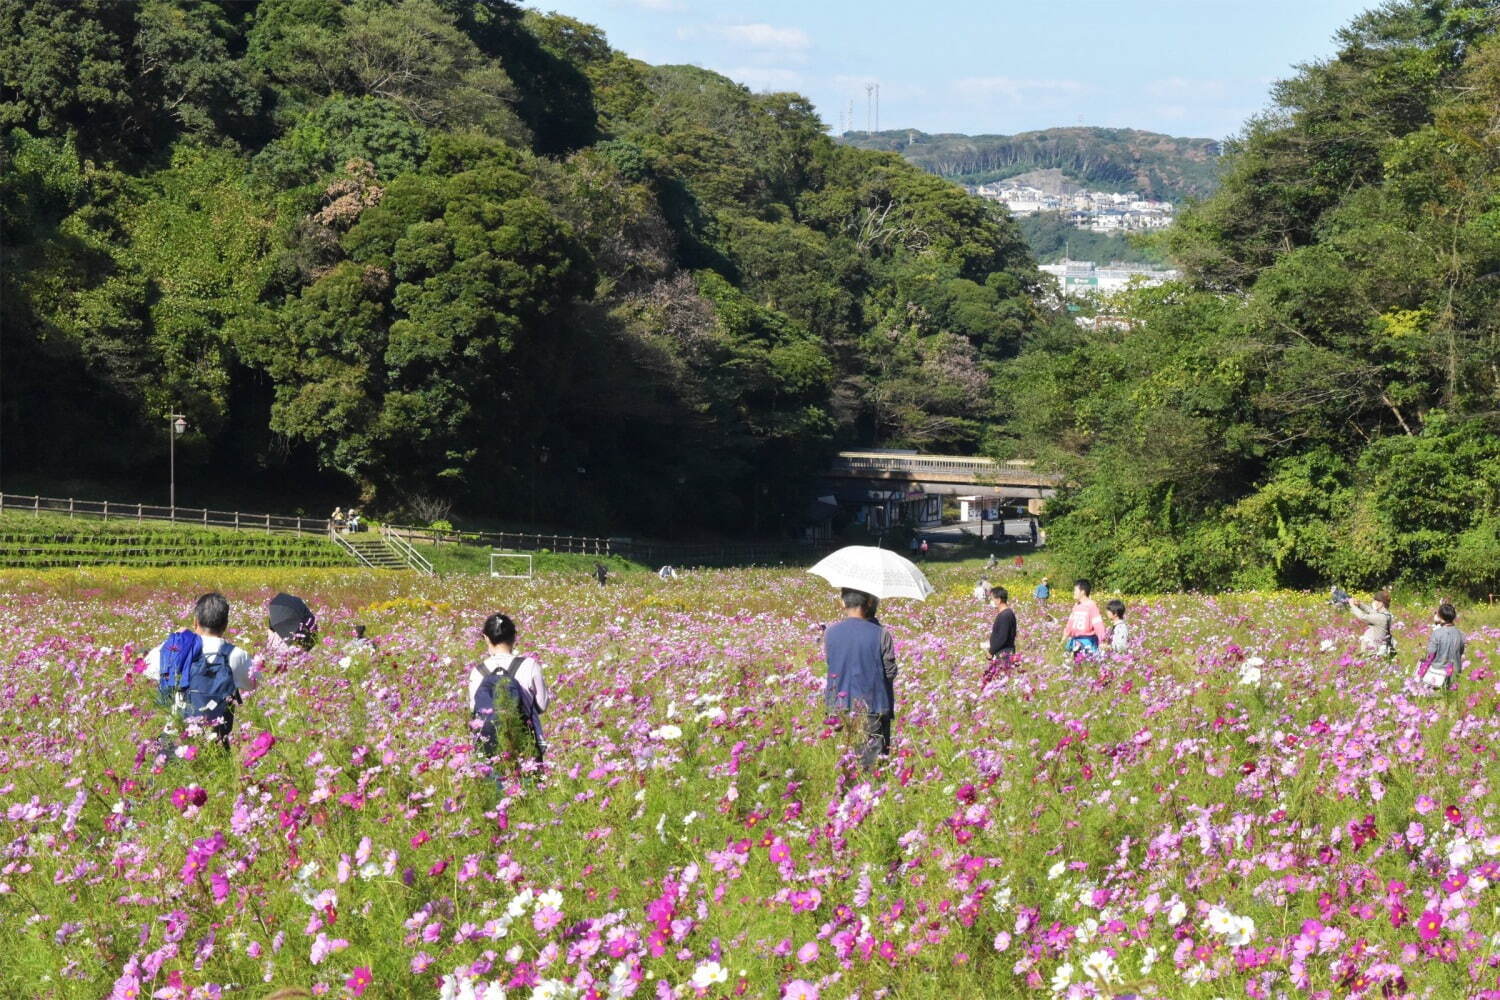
point(176, 426)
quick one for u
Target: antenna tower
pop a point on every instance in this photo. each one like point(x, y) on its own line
point(869, 98)
point(877, 107)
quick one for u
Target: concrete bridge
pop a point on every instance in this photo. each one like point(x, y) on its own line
point(959, 473)
point(884, 488)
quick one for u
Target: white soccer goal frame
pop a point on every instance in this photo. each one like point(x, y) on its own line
point(496, 574)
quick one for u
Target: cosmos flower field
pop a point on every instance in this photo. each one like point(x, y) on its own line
point(1240, 806)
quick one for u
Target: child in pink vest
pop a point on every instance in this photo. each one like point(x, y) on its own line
point(1085, 628)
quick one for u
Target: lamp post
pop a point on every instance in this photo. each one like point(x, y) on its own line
point(176, 426)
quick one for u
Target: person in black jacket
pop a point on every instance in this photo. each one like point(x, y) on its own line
point(1002, 644)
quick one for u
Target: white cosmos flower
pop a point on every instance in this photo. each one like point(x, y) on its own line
point(1062, 977)
point(709, 974)
point(1100, 965)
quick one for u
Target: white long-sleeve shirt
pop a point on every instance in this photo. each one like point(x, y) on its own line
point(528, 675)
point(239, 663)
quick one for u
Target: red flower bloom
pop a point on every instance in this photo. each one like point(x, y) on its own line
point(1430, 925)
point(1454, 816)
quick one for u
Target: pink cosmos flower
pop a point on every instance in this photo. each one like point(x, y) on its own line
point(808, 952)
point(259, 747)
point(545, 919)
point(799, 989)
point(359, 980)
point(323, 946)
point(1430, 925)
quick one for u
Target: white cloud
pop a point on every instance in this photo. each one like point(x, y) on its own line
point(754, 36)
point(759, 78)
point(1179, 87)
point(1019, 92)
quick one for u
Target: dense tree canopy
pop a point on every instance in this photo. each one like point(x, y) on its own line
point(454, 249)
point(1320, 398)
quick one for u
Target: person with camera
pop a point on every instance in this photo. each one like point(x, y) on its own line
point(1377, 639)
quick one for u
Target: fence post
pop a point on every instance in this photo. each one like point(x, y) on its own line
point(36, 504)
point(106, 510)
point(268, 524)
point(205, 517)
point(236, 520)
point(299, 524)
point(70, 508)
point(139, 509)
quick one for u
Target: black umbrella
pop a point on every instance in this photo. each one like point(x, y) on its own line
point(292, 619)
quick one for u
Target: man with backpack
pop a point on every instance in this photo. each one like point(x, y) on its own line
point(507, 696)
point(200, 675)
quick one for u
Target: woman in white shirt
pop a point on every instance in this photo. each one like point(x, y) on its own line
point(499, 660)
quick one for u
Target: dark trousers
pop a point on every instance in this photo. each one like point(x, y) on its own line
point(873, 733)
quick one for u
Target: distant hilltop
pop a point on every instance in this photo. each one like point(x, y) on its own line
point(1155, 166)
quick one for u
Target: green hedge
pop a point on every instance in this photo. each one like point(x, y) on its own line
point(32, 541)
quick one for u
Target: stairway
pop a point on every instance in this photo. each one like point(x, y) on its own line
point(372, 550)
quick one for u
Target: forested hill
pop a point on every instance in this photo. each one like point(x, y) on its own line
point(452, 251)
point(1320, 400)
point(1101, 159)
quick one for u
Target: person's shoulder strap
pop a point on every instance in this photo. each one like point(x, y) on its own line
point(484, 669)
point(515, 665)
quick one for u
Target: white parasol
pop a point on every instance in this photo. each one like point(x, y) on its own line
point(879, 572)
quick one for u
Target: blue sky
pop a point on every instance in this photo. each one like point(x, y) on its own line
point(1184, 67)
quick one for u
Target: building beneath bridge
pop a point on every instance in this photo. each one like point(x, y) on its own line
point(885, 489)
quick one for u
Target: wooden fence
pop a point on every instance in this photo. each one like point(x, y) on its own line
point(111, 510)
point(650, 552)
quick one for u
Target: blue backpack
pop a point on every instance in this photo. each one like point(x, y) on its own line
point(200, 685)
point(506, 708)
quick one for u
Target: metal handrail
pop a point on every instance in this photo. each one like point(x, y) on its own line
point(353, 550)
point(406, 551)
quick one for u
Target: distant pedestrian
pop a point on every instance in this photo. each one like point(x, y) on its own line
point(862, 671)
point(1035, 534)
point(982, 590)
point(1084, 630)
point(1018, 564)
point(1002, 645)
point(1445, 650)
point(601, 573)
point(507, 695)
point(336, 519)
point(1042, 594)
point(923, 548)
point(1119, 632)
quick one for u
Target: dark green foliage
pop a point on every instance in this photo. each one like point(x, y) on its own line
point(454, 250)
point(1102, 159)
point(48, 541)
point(1318, 401)
point(1052, 238)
